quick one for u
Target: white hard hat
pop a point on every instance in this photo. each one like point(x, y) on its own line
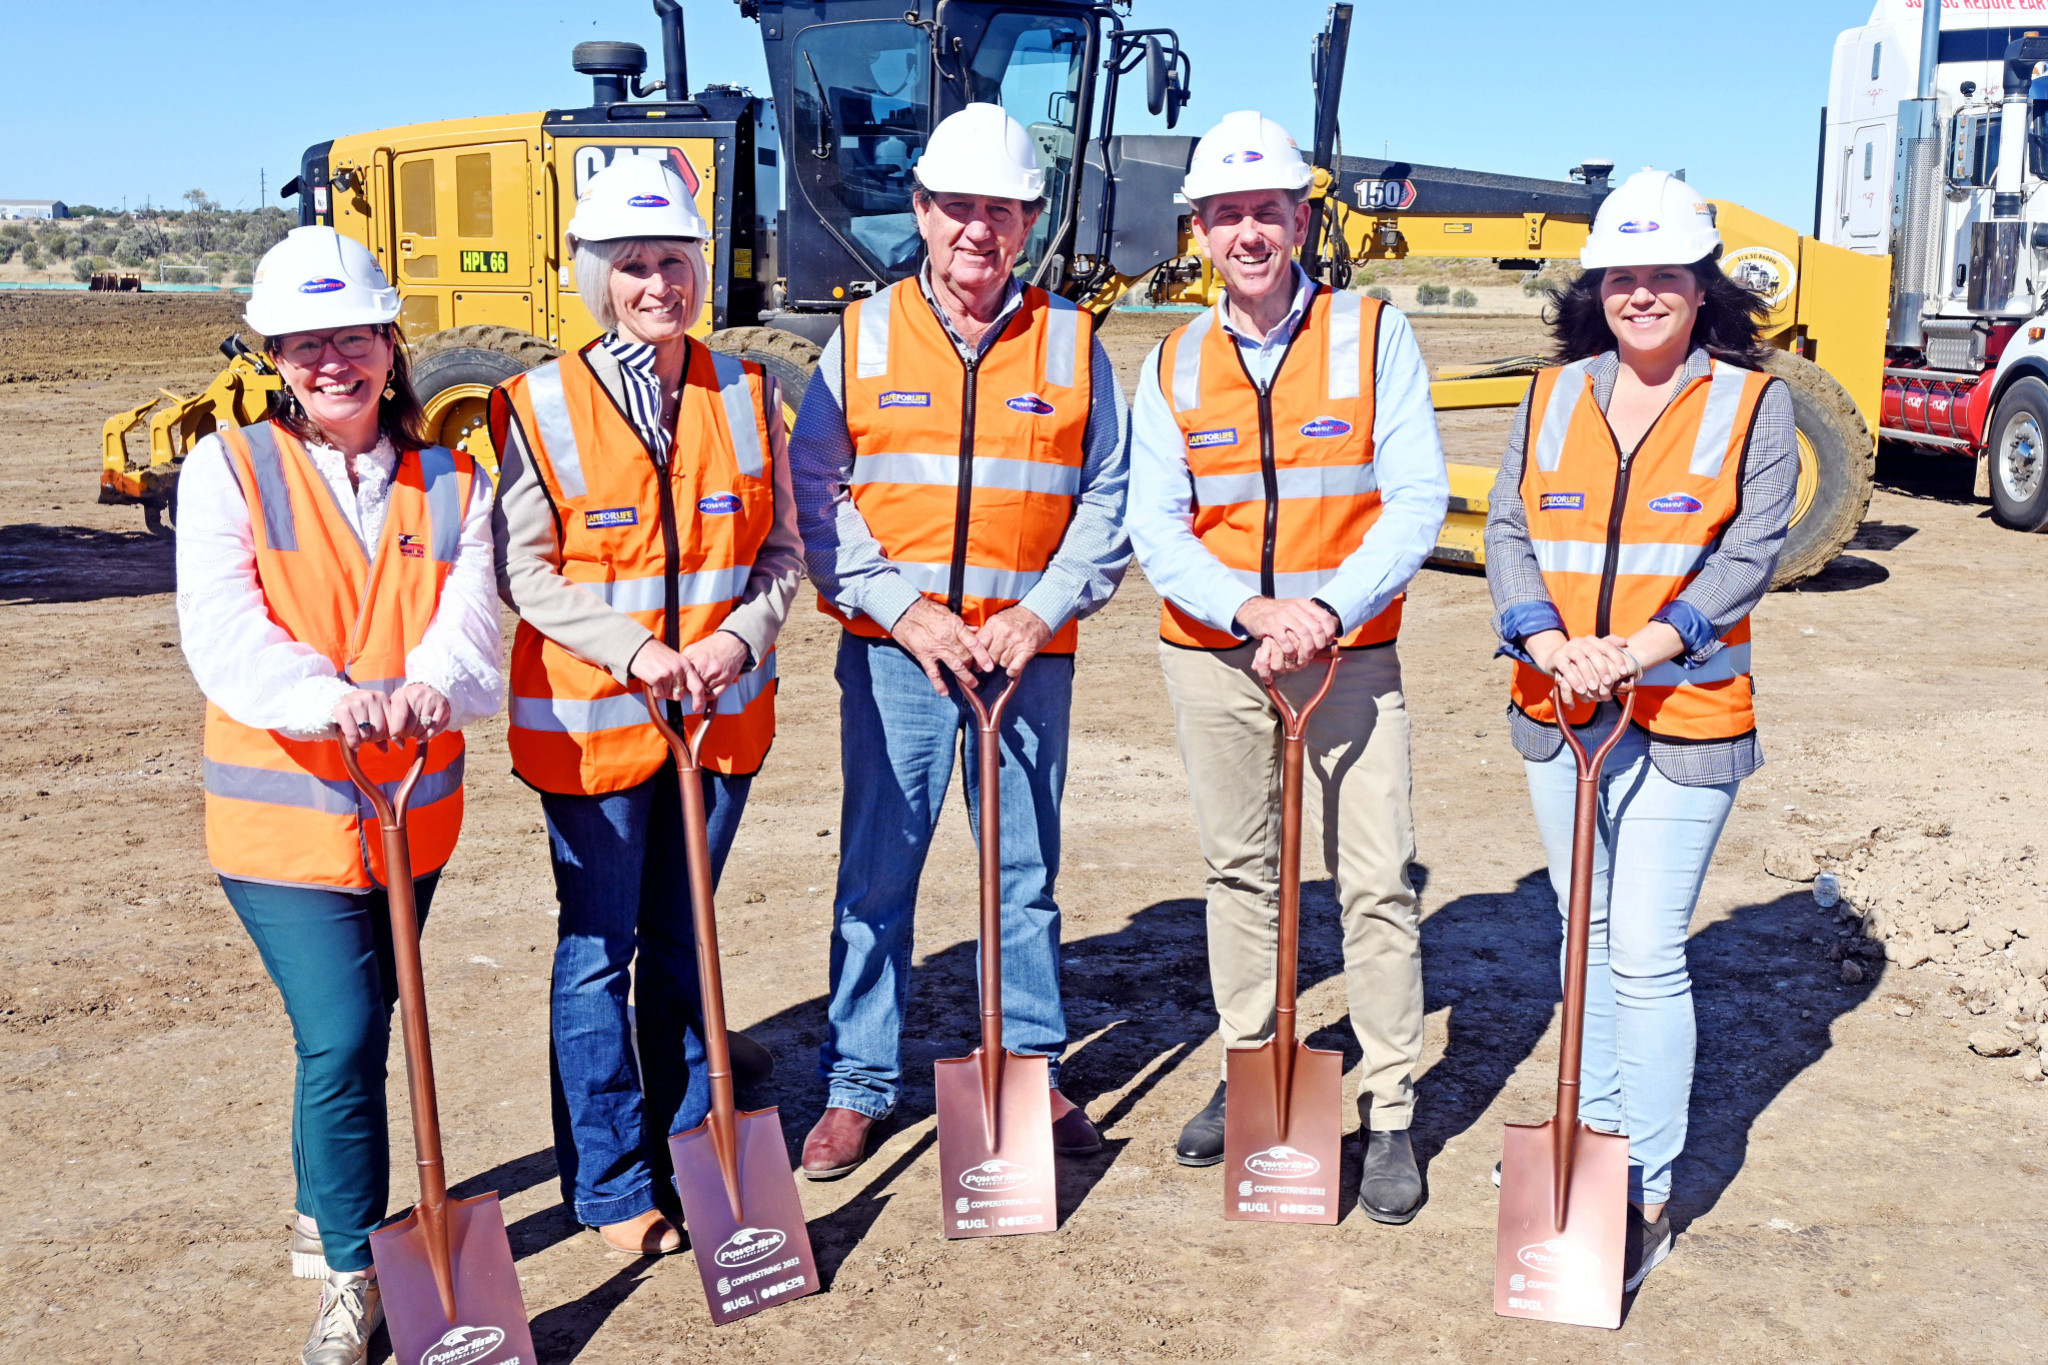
point(316, 278)
point(1654, 218)
point(981, 150)
point(637, 196)
point(1246, 151)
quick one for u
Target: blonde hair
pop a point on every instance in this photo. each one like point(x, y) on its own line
point(596, 262)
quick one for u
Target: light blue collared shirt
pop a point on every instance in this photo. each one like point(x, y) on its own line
point(1408, 457)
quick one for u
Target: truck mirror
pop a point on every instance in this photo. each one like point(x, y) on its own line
point(1157, 77)
point(1176, 100)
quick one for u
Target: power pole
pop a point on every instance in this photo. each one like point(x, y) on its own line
point(262, 188)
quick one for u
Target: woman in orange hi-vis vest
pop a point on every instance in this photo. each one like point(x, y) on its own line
point(648, 542)
point(1635, 525)
point(334, 587)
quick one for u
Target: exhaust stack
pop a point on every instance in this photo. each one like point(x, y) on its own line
point(1917, 184)
point(675, 65)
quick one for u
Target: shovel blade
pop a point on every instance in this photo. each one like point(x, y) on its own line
point(1007, 1188)
point(490, 1313)
point(1571, 1274)
point(1271, 1176)
point(764, 1257)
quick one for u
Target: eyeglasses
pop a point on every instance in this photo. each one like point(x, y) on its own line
point(307, 348)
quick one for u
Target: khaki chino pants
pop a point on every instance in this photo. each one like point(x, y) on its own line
point(1355, 802)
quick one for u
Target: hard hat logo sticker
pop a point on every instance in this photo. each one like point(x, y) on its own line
point(322, 286)
point(1635, 225)
point(1242, 158)
point(647, 201)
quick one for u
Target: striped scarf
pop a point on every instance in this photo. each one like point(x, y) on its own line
point(643, 390)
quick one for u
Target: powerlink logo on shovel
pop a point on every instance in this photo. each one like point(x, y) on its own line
point(1282, 1129)
point(1563, 1186)
point(451, 1296)
point(739, 1195)
point(995, 1106)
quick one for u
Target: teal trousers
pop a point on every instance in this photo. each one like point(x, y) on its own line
point(330, 954)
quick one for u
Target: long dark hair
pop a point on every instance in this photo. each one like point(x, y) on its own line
point(400, 417)
point(1727, 324)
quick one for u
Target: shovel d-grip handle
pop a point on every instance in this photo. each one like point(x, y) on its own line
point(988, 722)
point(1293, 758)
point(412, 1000)
point(1578, 930)
point(724, 1117)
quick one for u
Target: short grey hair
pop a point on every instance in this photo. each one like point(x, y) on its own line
point(596, 260)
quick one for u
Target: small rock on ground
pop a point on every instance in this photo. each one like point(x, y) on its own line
point(1985, 1043)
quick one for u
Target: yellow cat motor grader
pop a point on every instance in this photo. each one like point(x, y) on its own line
point(809, 197)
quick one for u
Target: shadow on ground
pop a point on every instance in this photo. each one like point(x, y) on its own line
point(77, 564)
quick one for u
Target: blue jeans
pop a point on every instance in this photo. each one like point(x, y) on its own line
point(622, 879)
point(330, 954)
point(897, 742)
point(1655, 839)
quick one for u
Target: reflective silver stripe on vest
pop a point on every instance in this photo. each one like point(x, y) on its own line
point(943, 471)
point(1062, 335)
point(1660, 559)
point(557, 433)
point(1187, 362)
point(1315, 481)
point(740, 413)
point(1731, 662)
point(280, 531)
point(704, 588)
point(1305, 584)
point(1007, 584)
point(871, 341)
point(1346, 313)
point(563, 715)
point(1557, 416)
point(386, 686)
point(304, 791)
point(1717, 423)
point(444, 502)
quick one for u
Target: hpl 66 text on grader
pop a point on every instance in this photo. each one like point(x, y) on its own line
point(809, 196)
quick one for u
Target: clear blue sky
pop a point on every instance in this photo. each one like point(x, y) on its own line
point(137, 98)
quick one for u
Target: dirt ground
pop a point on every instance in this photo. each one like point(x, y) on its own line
point(1858, 1184)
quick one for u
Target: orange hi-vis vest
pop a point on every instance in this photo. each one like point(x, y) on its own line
point(965, 471)
point(1284, 484)
point(284, 810)
point(670, 541)
point(1618, 540)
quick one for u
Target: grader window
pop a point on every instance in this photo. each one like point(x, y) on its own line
point(473, 195)
point(1033, 65)
point(863, 98)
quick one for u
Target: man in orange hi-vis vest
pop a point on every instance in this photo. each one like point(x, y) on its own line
point(1286, 483)
point(959, 468)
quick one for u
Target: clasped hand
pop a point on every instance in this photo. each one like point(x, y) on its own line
point(1589, 667)
point(697, 673)
point(941, 642)
point(1291, 631)
point(414, 711)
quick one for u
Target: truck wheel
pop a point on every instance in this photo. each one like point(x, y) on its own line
point(2018, 451)
point(789, 358)
point(453, 372)
point(1837, 460)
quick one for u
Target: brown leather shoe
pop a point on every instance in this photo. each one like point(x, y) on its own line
point(651, 1234)
point(837, 1145)
point(1073, 1133)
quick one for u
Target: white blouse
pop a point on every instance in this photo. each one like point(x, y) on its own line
point(251, 668)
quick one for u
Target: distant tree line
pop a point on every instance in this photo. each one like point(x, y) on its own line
point(205, 242)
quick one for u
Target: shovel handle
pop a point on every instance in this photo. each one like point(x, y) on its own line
point(1294, 724)
point(724, 1118)
point(412, 1000)
point(1589, 766)
point(988, 717)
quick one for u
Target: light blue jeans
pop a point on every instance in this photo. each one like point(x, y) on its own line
point(898, 740)
point(1655, 840)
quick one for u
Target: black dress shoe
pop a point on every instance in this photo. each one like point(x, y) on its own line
point(1390, 1191)
point(1201, 1142)
point(752, 1064)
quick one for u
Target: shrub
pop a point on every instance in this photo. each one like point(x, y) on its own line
point(245, 274)
point(1433, 295)
point(13, 232)
point(1464, 298)
point(6, 251)
point(1379, 291)
point(1533, 283)
point(81, 269)
point(30, 256)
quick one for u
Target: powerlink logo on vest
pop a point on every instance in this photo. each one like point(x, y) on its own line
point(1202, 440)
point(1031, 403)
point(1677, 503)
point(896, 398)
point(1326, 427)
point(719, 504)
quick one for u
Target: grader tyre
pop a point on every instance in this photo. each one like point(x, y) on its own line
point(453, 373)
point(789, 358)
point(1837, 462)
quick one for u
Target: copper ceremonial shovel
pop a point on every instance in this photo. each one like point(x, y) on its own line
point(1563, 1186)
point(451, 1296)
point(740, 1203)
point(1283, 1136)
point(995, 1106)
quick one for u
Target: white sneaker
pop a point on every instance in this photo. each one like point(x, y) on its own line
point(351, 1310)
point(309, 1258)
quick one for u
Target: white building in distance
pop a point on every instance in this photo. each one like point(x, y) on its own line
point(33, 208)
